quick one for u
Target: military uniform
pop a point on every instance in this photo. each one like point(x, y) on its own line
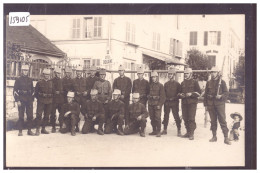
point(172, 89)
point(89, 110)
point(58, 100)
point(72, 119)
point(156, 99)
point(135, 110)
point(216, 107)
point(44, 93)
point(79, 87)
point(141, 87)
point(23, 92)
point(115, 116)
point(124, 84)
point(189, 104)
point(67, 83)
point(90, 81)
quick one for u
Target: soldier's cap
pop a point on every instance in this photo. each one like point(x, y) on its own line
point(117, 91)
point(154, 73)
point(79, 68)
point(70, 94)
point(102, 71)
point(93, 92)
point(188, 70)
point(236, 114)
point(140, 70)
point(68, 70)
point(120, 68)
point(136, 95)
point(93, 68)
point(57, 70)
point(172, 70)
point(46, 71)
point(215, 69)
point(25, 67)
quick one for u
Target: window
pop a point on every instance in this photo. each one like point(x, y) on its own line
point(76, 28)
point(156, 41)
point(130, 32)
point(92, 27)
point(97, 26)
point(212, 38)
point(175, 47)
point(87, 63)
point(212, 60)
point(193, 38)
point(88, 27)
point(96, 62)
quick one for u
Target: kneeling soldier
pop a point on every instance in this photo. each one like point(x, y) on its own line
point(94, 113)
point(137, 117)
point(115, 114)
point(69, 116)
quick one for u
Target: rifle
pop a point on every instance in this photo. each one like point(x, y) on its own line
point(220, 76)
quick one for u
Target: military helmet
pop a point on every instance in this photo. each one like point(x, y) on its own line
point(172, 70)
point(120, 68)
point(117, 91)
point(46, 71)
point(102, 71)
point(140, 70)
point(79, 68)
point(93, 68)
point(70, 94)
point(93, 92)
point(57, 70)
point(25, 67)
point(154, 73)
point(188, 70)
point(136, 95)
point(68, 70)
point(215, 69)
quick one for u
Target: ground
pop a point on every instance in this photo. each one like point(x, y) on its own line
point(92, 150)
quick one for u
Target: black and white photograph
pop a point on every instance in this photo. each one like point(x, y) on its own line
point(133, 89)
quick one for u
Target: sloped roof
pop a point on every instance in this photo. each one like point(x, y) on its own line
point(31, 40)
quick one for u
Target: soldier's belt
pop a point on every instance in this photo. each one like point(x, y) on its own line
point(24, 92)
point(45, 95)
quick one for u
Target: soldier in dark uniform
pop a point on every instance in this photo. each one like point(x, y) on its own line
point(80, 89)
point(44, 93)
point(104, 90)
point(90, 80)
point(214, 101)
point(124, 84)
point(115, 115)
point(23, 95)
point(137, 117)
point(67, 82)
point(141, 86)
point(190, 91)
point(156, 99)
point(69, 115)
point(94, 113)
point(58, 98)
point(172, 89)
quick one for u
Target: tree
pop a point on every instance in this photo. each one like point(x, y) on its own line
point(239, 71)
point(198, 61)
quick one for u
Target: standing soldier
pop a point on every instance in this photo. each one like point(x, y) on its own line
point(23, 95)
point(190, 91)
point(141, 86)
point(216, 94)
point(44, 93)
point(115, 114)
point(156, 99)
point(104, 90)
point(67, 82)
point(58, 98)
point(93, 112)
point(137, 117)
point(90, 80)
point(69, 114)
point(124, 84)
point(172, 89)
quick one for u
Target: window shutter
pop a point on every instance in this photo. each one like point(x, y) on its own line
point(195, 38)
point(205, 38)
point(219, 38)
point(190, 38)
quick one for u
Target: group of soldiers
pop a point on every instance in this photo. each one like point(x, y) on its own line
point(108, 105)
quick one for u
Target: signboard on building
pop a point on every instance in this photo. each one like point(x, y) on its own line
point(107, 60)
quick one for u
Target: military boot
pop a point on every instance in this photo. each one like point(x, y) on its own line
point(30, 133)
point(44, 131)
point(73, 133)
point(164, 132)
point(77, 128)
point(37, 132)
point(179, 133)
point(53, 130)
point(142, 133)
point(187, 135)
point(227, 141)
point(214, 138)
point(120, 131)
point(191, 136)
point(100, 132)
point(20, 133)
point(158, 134)
point(153, 132)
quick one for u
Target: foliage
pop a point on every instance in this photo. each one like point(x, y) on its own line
point(239, 71)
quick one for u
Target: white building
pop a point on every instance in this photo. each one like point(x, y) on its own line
point(131, 40)
point(215, 36)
